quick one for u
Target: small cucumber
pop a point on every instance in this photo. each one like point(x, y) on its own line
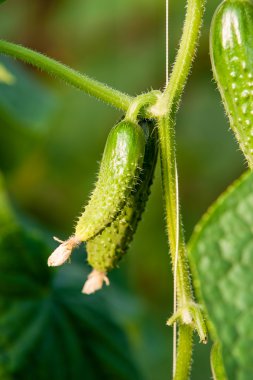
point(118, 175)
point(231, 48)
point(106, 249)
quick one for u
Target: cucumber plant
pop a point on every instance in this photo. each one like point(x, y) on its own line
point(218, 247)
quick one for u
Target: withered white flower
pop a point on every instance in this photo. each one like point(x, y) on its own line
point(62, 253)
point(95, 282)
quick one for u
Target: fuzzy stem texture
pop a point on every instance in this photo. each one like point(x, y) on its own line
point(165, 110)
point(83, 82)
point(184, 355)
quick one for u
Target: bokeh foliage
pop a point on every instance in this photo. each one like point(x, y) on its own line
point(48, 329)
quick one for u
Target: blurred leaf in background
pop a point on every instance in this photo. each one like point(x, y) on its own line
point(46, 321)
point(26, 108)
point(24, 102)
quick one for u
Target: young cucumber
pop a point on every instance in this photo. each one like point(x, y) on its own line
point(106, 249)
point(118, 175)
point(231, 48)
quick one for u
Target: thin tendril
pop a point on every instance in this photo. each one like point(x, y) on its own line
point(177, 211)
point(175, 272)
point(167, 42)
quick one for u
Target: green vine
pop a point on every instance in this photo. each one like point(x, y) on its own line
point(165, 109)
point(82, 82)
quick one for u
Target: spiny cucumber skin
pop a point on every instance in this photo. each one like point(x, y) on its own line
point(119, 172)
point(106, 249)
point(231, 48)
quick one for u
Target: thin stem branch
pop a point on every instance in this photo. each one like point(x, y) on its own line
point(177, 245)
point(167, 42)
point(176, 239)
point(83, 82)
point(185, 55)
point(140, 104)
point(165, 110)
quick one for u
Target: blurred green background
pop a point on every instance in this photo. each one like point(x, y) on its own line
point(52, 138)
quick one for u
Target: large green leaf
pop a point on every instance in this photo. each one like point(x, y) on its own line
point(221, 252)
point(49, 330)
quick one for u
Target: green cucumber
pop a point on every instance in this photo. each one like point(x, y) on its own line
point(118, 175)
point(106, 249)
point(231, 48)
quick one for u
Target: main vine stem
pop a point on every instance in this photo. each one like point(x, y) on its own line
point(165, 111)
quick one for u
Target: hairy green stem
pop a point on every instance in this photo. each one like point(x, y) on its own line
point(168, 164)
point(184, 355)
point(83, 82)
point(173, 91)
point(140, 102)
point(165, 109)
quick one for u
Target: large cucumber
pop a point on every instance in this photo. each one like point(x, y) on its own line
point(231, 48)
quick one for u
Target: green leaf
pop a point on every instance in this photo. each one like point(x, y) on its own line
point(221, 252)
point(26, 110)
point(49, 330)
point(24, 101)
